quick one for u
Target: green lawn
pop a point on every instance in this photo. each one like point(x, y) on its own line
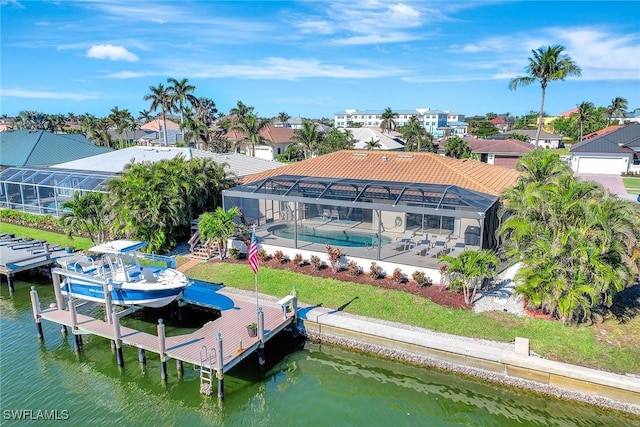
point(53, 238)
point(610, 346)
point(632, 185)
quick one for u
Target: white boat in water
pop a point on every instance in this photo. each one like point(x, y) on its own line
point(117, 264)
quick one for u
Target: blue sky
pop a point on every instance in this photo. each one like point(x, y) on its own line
point(313, 58)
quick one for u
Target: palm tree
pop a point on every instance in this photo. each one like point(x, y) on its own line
point(308, 138)
point(414, 134)
point(388, 122)
point(145, 115)
point(160, 98)
point(283, 117)
point(218, 226)
point(617, 107)
point(468, 270)
point(241, 110)
point(546, 65)
point(252, 127)
point(372, 144)
point(457, 148)
point(180, 92)
point(585, 113)
point(85, 213)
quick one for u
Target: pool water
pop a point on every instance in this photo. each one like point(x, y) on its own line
point(345, 238)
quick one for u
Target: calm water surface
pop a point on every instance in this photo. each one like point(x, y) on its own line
point(311, 386)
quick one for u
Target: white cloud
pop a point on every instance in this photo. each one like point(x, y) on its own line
point(111, 52)
point(21, 93)
point(128, 75)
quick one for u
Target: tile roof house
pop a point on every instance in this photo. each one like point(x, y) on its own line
point(615, 152)
point(42, 148)
point(173, 132)
point(423, 168)
point(499, 152)
point(602, 131)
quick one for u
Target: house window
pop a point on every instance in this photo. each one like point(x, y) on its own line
point(278, 150)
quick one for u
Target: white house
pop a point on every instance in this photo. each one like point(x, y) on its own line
point(434, 121)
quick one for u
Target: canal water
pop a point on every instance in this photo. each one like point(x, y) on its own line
point(308, 385)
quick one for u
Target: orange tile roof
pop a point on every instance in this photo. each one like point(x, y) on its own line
point(156, 124)
point(423, 168)
point(600, 132)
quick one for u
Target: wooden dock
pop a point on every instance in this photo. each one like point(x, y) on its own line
point(18, 254)
point(237, 344)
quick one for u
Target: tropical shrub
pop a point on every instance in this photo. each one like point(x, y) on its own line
point(353, 268)
point(398, 276)
point(376, 271)
point(298, 260)
point(316, 263)
point(263, 255)
point(279, 256)
point(421, 278)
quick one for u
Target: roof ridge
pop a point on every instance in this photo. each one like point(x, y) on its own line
point(33, 147)
point(462, 173)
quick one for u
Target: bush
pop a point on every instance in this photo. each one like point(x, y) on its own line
point(262, 255)
point(298, 260)
point(375, 271)
point(398, 276)
point(316, 263)
point(353, 268)
point(234, 253)
point(280, 257)
point(421, 279)
point(41, 222)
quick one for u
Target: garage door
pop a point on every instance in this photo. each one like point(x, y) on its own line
point(604, 165)
point(506, 161)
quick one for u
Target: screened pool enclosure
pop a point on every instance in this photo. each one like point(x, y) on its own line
point(389, 217)
point(43, 190)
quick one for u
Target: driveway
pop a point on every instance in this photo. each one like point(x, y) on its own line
point(611, 182)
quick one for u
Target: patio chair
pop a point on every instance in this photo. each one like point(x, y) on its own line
point(423, 245)
point(457, 248)
point(326, 213)
point(438, 247)
point(335, 214)
point(405, 242)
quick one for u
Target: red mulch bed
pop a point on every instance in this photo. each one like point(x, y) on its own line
point(435, 292)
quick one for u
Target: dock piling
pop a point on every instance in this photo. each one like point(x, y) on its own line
point(162, 350)
point(142, 357)
point(180, 368)
point(10, 284)
point(261, 359)
point(55, 277)
point(220, 367)
point(117, 337)
point(35, 305)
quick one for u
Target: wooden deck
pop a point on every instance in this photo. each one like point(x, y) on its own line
point(187, 348)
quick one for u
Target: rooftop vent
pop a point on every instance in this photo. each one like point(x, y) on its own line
point(405, 156)
point(360, 154)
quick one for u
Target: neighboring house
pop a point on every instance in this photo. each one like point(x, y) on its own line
point(615, 152)
point(602, 132)
point(279, 137)
point(42, 148)
point(500, 123)
point(499, 152)
point(174, 134)
point(239, 165)
point(632, 116)
point(545, 140)
point(134, 135)
point(43, 190)
point(436, 122)
point(388, 141)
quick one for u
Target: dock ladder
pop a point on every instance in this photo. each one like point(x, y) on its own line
point(207, 363)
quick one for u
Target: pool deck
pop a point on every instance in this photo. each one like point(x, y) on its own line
point(392, 253)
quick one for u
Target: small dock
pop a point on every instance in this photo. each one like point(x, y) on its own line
point(216, 347)
point(18, 254)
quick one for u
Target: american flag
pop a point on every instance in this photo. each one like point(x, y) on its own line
point(253, 253)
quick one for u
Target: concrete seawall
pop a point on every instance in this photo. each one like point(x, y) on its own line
point(493, 361)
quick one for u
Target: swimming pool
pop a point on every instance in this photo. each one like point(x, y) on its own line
point(345, 238)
